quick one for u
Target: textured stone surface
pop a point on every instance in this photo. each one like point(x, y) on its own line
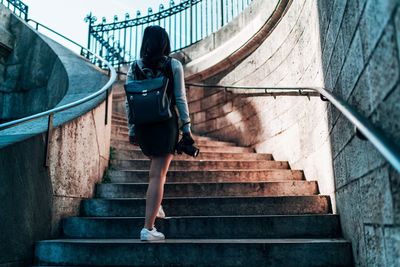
point(351, 48)
point(202, 165)
point(209, 227)
point(392, 245)
point(209, 175)
point(26, 197)
point(35, 198)
point(249, 252)
point(281, 188)
point(211, 206)
point(34, 60)
point(6, 38)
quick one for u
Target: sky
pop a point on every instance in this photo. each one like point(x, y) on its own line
point(67, 16)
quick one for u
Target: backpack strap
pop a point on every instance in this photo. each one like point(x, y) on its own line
point(168, 72)
point(139, 75)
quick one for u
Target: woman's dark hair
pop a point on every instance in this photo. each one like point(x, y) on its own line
point(155, 45)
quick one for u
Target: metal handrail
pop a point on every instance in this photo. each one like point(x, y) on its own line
point(376, 136)
point(17, 5)
point(83, 49)
point(51, 112)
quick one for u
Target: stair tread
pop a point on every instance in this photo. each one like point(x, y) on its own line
point(206, 197)
point(192, 217)
point(204, 241)
point(209, 183)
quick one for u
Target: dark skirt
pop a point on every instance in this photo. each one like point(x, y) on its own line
point(160, 138)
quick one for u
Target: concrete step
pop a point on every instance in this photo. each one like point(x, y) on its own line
point(215, 227)
point(117, 144)
point(207, 176)
point(123, 136)
point(210, 206)
point(192, 165)
point(138, 190)
point(123, 129)
point(119, 119)
point(117, 115)
point(123, 154)
point(198, 252)
point(115, 122)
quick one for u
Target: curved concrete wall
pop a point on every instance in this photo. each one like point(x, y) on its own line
point(35, 198)
point(351, 48)
point(33, 78)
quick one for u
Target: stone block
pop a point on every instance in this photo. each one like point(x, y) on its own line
point(385, 116)
point(195, 106)
point(194, 93)
point(324, 17)
point(205, 127)
point(360, 97)
point(348, 199)
point(213, 100)
point(63, 207)
point(397, 25)
point(383, 69)
point(337, 59)
point(11, 77)
point(75, 165)
point(392, 245)
point(376, 198)
point(373, 22)
point(395, 188)
point(340, 165)
point(333, 30)
point(352, 68)
point(198, 117)
point(350, 20)
point(220, 110)
point(341, 133)
point(374, 245)
point(2, 69)
point(361, 157)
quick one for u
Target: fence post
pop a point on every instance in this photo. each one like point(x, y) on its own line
point(191, 22)
point(48, 139)
point(222, 13)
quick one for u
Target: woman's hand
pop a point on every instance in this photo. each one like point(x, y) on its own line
point(188, 138)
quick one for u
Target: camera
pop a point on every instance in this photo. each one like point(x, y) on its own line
point(185, 145)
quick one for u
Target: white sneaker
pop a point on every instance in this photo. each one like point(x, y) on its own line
point(160, 213)
point(153, 235)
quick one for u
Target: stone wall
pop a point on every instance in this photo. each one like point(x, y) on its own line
point(351, 48)
point(28, 82)
point(34, 199)
point(360, 51)
point(6, 39)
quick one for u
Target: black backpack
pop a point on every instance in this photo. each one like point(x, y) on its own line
point(148, 96)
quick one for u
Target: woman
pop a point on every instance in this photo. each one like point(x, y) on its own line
point(158, 140)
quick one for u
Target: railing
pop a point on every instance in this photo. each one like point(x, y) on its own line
point(18, 7)
point(82, 50)
point(50, 113)
point(186, 23)
point(366, 129)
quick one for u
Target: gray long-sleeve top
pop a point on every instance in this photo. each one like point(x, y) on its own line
point(179, 92)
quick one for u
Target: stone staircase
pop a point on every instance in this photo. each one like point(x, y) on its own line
point(228, 207)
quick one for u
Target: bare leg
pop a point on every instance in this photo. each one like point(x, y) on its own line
point(155, 191)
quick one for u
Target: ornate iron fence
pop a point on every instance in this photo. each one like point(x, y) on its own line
point(186, 23)
point(18, 7)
